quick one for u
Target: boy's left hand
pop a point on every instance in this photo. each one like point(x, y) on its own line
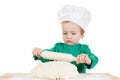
point(83, 58)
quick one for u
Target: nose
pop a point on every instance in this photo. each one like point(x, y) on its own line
point(68, 35)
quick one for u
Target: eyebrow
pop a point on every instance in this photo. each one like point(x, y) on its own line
point(69, 31)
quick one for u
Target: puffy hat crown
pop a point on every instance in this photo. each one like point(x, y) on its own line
point(78, 15)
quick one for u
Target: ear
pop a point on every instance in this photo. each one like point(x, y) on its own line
point(82, 36)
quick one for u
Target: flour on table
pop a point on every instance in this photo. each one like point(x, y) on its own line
point(54, 69)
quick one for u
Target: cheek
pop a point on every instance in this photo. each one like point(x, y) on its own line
point(63, 36)
point(77, 38)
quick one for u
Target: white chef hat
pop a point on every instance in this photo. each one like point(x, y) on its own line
point(78, 15)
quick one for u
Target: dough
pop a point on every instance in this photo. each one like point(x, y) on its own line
point(58, 56)
point(54, 69)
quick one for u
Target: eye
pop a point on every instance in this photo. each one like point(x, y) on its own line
point(65, 33)
point(73, 33)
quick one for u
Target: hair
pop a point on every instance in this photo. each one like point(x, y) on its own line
point(81, 30)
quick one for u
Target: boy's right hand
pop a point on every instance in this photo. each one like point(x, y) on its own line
point(36, 52)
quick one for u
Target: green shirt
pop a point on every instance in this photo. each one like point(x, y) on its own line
point(75, 50)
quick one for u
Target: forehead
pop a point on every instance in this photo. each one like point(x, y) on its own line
point(67, 25)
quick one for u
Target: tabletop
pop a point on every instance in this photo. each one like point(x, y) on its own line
point(103, 76)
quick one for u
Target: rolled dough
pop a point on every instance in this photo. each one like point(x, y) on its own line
point(55, 69)
point(58, 56)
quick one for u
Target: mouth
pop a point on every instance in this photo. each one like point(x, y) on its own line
point(68, 41)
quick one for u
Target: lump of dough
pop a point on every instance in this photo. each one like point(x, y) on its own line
point(54, 69)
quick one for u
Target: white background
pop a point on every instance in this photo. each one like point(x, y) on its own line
point(25, 24)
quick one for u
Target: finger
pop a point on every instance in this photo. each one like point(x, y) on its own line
point(78, 59)
point(34, 51)
point(86, 58)
point(38, 55)
point(82, 56)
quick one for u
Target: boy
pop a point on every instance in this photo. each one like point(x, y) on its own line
point(74, 19)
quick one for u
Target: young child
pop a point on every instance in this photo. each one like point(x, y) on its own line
point(74, 19)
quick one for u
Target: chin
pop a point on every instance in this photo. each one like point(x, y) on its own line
point(70, 43)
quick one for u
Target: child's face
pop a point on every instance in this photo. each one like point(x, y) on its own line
point(71, 33)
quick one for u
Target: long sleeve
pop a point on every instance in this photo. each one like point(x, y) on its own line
point(93, 57)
